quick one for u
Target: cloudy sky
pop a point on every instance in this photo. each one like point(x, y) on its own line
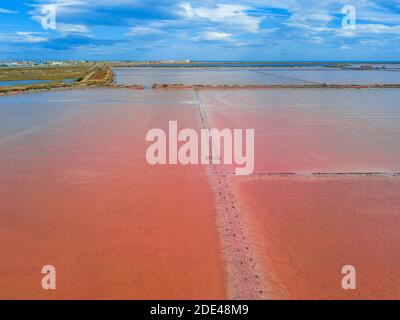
point(277, 30)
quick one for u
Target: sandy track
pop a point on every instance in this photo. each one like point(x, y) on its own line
point(245, 279)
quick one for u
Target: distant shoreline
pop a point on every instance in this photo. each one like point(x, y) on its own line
point(329, 64)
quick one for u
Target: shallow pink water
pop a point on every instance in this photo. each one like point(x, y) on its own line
point(314, 130)
point(76, 192)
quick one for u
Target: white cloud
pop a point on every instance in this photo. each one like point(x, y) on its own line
point(32, 37)
point(143, 30)
point(216, 36)
point(368, 29)
point(230, 15)
point(69, 28)
point(6, 11)
point(71, 7)
point(319, 18)
point(62, 7)
point(246, 22)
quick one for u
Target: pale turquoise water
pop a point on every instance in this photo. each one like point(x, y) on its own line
point(253, 76)
point(27, 82)
point(339, 76)
point(198, 76)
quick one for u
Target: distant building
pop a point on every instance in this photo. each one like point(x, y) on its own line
point(366, 67)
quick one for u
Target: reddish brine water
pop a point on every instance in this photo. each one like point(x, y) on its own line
point(77, 192)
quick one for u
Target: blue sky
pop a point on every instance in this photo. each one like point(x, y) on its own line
point(284, 30)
